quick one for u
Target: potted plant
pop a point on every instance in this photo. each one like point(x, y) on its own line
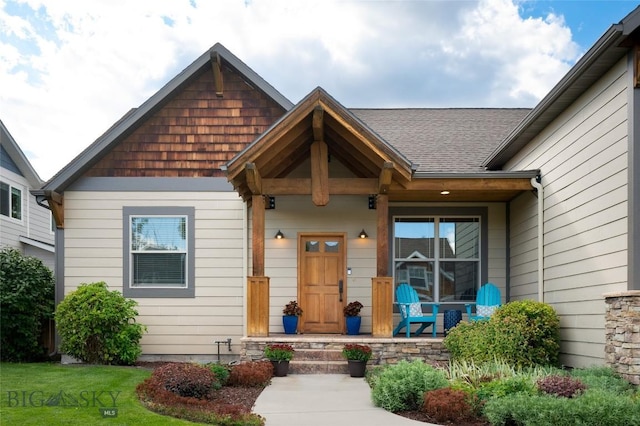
point(291, 312)
point(357, 356)
point(279, 354)
point(352, 317)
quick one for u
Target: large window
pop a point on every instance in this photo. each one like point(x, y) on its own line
point(10, 201)
point(438, 256)
point(159, 251)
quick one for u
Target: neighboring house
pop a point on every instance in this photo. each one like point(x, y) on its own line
point(24, 225)
point(178, 204)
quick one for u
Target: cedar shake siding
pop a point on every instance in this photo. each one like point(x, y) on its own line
point(195, 133)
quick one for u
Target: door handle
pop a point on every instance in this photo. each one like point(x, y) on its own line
point(340, 288)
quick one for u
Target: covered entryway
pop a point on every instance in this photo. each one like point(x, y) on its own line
point(321, 282)
point(298, 157)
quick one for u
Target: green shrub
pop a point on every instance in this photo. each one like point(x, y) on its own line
point(499, 388)
point(221, 372)
point(98, 326)
point(533, 330)
point(402, 386)
point(593, 408)
point(604, 378)
point(523, 333)
point(26, 301)
point(471, 341)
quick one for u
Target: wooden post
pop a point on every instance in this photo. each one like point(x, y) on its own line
point(257, 235)
point(258, 306)
point(382, 306)
point(382, 239)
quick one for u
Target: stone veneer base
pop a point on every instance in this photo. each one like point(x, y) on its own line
point(385, 350)
point(622, 328)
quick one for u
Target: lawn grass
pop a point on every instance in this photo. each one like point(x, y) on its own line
point(86, 390)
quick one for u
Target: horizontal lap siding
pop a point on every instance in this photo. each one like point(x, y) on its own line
point(93, 252)
point(348, 214)
point(296, 214)
point(583, 161)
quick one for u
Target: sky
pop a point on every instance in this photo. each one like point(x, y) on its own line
point(69, 69)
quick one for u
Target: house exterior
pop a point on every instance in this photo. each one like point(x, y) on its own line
point(179, 203)
point(24, 225)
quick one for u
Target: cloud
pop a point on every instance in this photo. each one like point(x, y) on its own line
point(72, 68)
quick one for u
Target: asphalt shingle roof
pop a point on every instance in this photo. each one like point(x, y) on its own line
point(443, 140)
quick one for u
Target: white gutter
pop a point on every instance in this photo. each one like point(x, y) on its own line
point(535, 182)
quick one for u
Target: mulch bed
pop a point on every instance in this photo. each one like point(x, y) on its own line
point(247, 396)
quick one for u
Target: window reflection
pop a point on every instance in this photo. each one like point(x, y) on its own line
point(456, 256)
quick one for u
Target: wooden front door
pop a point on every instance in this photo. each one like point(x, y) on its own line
point(321, 282)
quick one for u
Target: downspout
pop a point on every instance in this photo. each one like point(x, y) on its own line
point(536, 183)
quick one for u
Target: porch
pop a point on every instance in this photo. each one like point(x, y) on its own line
point(322, 354)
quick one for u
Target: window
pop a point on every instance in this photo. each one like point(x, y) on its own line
point(10, 201)
point(438, 256)
point(158, 250)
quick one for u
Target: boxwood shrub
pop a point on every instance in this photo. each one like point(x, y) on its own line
point(523, 333)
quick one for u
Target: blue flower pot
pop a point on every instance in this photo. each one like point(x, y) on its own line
point(290, 324)
point(353, 325)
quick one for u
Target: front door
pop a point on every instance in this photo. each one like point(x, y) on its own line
point(321, 282)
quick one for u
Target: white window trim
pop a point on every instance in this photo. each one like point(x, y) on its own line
point(22, 211)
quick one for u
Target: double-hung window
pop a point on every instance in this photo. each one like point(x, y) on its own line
point(439, 256)
point(10, 201)
point(159, 252)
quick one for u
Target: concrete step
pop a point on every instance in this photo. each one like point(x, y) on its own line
point(318, 361)
point(318, 367)
point(318, 355)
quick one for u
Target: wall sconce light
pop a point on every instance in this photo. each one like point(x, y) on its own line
point(363, 234)
point(279, 235)
point(445, 192)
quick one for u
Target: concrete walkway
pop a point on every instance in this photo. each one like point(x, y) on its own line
point(323, 400)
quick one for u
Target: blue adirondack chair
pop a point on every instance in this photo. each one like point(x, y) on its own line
point(411, 311)
point(487, 301)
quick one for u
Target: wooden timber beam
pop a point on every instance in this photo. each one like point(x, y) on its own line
point(385, 177)
point(366, 186)
point(56, 205)
point(318, 123)
point(319, 172)
point(465, 184)
point(217, 73)
point(257, 234)
point(254, 180)
point(302, 186)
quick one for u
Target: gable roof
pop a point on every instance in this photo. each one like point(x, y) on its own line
point(605, 53)
point(288, 142)
point(10, 146)
point(137, 116)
